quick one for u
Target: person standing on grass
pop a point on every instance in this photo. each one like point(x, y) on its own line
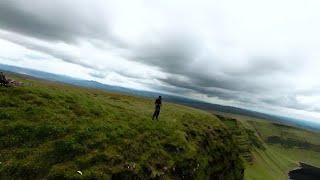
point(157, 109)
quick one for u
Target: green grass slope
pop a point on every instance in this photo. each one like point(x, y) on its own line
point(286, 146)
point(275, 148)
point(50, 130)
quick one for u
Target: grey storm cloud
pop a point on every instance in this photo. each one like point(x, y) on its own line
point(210, 92)
point(98, 74)
point(245, 84)
point(56, 21)
point(67, 57)
point(38, 23)
point(172, 53)
point(196, 52)
point(176, 57)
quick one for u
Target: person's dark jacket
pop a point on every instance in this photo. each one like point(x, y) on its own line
point(158, 103)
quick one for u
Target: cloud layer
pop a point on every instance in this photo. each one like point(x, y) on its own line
point(262, 56)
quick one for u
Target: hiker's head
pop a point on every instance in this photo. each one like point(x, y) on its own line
point(159, 97)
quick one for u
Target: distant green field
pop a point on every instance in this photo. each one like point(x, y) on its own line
point(284, 146)
point(49, 130)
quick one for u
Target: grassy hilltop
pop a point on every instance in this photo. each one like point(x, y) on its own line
point(50, 130)
point(53, 130)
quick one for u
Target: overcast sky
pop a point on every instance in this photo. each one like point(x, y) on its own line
point(260, 55)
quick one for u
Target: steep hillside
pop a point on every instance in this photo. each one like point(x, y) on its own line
point(271, 149)
point(52, 130)
point(245, 138)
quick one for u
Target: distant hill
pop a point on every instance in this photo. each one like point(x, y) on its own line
point(176, 99)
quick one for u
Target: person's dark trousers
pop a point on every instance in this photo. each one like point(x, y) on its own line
point(156, 113)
